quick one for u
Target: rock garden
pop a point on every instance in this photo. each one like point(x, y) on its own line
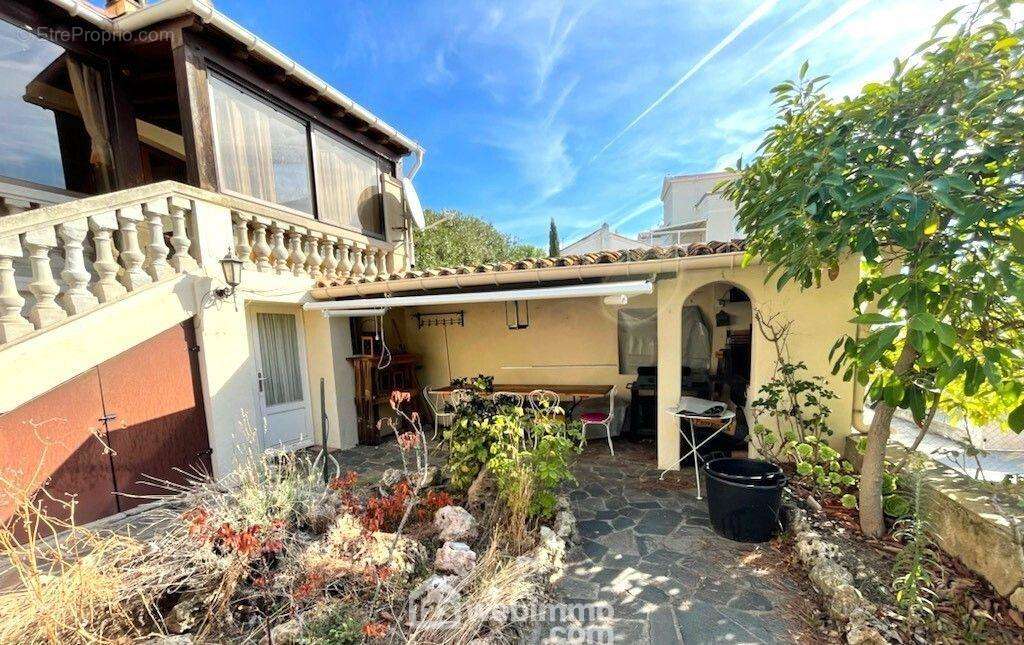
point(294, 549)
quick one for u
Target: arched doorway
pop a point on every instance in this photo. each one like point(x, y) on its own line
point(717, 321)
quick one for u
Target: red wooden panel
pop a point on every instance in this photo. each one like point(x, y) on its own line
point(153, 389)
point(55, 441)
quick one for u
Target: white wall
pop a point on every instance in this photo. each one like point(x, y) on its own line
point(690, 198)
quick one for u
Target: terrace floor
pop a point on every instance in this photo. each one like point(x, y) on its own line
point(646, 548)
point(646, 551)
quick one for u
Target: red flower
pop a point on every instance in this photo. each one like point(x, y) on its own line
point(375, 630)
point(344, 483)
point(408, 440)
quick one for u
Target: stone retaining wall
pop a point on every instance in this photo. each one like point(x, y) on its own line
point(969, 524)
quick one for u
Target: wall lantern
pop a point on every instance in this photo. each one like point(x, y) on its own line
point(232, 268)
point(517, 314)
point(723, 319)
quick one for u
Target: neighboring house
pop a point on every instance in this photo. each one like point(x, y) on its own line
point(693, 212)
point(126, 356)
point(602, 239)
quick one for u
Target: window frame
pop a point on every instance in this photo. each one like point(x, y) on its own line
point(316, 128)
point(30, 22)
point(311, 125)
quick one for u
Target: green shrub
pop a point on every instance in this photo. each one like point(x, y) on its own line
point(333, 626)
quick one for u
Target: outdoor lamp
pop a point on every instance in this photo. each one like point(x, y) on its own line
point(232, 268)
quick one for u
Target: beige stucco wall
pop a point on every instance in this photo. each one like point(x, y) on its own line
point(819, 317)
point(571, 341)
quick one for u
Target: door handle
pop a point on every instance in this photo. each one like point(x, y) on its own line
point(260, 378)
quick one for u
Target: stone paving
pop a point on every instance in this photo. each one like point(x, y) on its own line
point(647, 550)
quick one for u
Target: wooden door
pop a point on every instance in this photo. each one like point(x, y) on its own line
point(57, 441)
point(101, 435)
point(156, 424)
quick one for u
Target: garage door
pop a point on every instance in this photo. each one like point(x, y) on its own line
point(100, 437)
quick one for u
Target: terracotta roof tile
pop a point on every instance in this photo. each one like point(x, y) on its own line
point(596, 257)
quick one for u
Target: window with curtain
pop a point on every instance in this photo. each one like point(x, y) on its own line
point(279, 357)
point(54, 129)
point(347, 185)
point(261, 151)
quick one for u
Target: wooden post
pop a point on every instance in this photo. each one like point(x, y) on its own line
point(190, 75)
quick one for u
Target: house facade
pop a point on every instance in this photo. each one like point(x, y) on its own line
point(692, 212)
point(601, 239)
point(153, 141)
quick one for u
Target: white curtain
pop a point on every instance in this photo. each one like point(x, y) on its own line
point(279, 356)
point(638, 339)
point(244, 145)
point(87, 85)
point(347, 185)
point(696, 341)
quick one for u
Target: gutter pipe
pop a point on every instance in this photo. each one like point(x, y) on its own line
point(642, 269)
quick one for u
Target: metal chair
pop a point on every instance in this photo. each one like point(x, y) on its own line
point(545, 402)
point(434, 402)
point(600, 419)
point(514, 399)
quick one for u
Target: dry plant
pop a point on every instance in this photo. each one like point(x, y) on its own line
point(496, 585)
point(69, 584)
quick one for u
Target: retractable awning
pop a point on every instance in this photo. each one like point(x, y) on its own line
point(603, 289)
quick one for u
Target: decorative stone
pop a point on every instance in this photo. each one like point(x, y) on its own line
point(483, 489)
point(1017, 599)
point(434, 591)
point(390, 478)
point(287, 633)
point(185, 615)
point(455, 523)
point(455, 557)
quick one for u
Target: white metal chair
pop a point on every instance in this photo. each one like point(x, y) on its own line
point(436, 404)
point(600, 419)
point(545, 402)
point(514, 399)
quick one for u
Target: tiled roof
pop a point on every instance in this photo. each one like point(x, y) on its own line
point(597, 257)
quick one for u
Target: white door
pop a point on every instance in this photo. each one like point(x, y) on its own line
point(281, 377)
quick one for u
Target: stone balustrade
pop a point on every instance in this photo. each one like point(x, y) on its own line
point(65, 260)
point(310, 249)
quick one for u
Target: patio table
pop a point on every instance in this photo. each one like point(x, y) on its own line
point(726, 419)
point(576, 393)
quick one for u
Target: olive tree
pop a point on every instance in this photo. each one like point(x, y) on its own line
point(921, 176)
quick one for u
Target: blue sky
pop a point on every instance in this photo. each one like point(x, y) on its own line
point(577, 110)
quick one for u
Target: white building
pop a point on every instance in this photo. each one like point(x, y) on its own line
point(693, 212)
point(602, 239)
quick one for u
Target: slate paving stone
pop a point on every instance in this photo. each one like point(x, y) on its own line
point(651, 554)
point(592, 529)
point(662, 626)
point(751, 601)
point(659, 522)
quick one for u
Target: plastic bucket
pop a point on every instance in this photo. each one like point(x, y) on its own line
point(744, 496)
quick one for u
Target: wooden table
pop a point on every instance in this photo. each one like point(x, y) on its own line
point(574, 393)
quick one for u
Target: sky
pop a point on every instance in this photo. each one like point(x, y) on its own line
point(577, 110)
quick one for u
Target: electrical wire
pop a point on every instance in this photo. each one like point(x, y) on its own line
point(385, 353)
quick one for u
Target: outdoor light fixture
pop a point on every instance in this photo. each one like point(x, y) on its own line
point(232, 268)
point(517, 314)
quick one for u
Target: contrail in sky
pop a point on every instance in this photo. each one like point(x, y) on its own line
point(842, 13)
point(754, 16)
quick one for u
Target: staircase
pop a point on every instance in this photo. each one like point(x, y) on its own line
point(89, 273)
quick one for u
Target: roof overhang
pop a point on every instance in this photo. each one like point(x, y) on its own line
point(581, 273)
point(204, 10)
point(593, 290)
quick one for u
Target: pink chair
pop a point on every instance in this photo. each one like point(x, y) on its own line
point(600, 419)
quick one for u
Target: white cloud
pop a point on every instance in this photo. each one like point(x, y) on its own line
point(752, 18)
point(637, 211)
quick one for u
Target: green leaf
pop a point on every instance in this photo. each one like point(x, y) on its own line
point(1016, 419)
point(923, 321)
point(871, 319)
point(1005, 43)
point(849, 500)
point(1017, 239)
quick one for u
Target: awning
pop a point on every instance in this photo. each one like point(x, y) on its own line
point(598, 290)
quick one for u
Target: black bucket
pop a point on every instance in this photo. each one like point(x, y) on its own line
point(744, 496)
